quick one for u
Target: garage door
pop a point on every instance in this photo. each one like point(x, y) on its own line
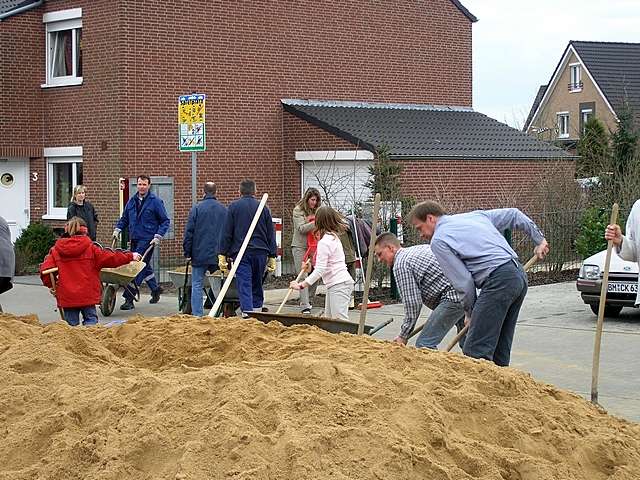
point(341, 181)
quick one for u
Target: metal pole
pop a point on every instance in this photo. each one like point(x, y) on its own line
point(194, 175)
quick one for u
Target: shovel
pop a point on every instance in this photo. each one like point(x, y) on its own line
point(298, 278)
point(51, 272)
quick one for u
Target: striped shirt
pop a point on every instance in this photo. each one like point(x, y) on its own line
point(420, 281)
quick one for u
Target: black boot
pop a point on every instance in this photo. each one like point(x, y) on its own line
point(155, 296)
point(127, 305)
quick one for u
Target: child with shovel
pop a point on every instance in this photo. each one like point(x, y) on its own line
point(330, 265)
point(78, 261)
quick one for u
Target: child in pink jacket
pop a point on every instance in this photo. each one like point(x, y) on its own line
point(330, 265)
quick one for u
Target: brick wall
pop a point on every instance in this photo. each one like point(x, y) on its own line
point(462, 185)
point(138, 57)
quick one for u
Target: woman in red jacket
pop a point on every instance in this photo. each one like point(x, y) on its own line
point(79, 262)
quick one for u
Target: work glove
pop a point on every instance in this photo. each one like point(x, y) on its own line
point(156, 240)
point(222, 264)
point(116, 233)
point(271, 265)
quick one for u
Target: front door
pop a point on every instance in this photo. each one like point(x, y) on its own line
point(14, 194)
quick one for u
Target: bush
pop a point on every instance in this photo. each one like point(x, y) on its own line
point(34, 243)
point(592, 226)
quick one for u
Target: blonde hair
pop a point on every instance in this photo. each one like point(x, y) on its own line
point(78, 189)
point(329, 220)
point(74, 226)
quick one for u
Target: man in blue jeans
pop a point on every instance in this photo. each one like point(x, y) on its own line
point(260, 252)
point(473, 254)
point(421, 281)
point(201, 241)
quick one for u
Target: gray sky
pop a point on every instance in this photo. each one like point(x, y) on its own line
point(517, 44)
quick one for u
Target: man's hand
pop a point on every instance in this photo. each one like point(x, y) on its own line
point(542, 249)
point(613, 233)
point(116, 233)
point(222, 264)
point(400, 340)
point(467, 319)
point(156, 240)
point(137, 257)
point(271, 264)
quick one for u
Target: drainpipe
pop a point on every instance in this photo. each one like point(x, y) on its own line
point(20, 10)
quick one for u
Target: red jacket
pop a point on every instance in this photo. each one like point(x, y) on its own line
point(79, 262)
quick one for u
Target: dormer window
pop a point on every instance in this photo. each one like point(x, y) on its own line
point(575, 84)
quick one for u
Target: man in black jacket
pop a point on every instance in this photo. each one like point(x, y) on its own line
point(262, 246)
point(201, 240)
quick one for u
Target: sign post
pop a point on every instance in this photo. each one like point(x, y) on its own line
point(191, 130)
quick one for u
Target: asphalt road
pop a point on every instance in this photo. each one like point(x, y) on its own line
point(554, 340)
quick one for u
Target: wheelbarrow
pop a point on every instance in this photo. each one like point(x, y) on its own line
point(114, 278)
point(332, 325)
point(182, 282)
point(231, 300)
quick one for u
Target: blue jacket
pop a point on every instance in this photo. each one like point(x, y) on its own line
point(151, 220)
point(202, 234)
point(239, 217)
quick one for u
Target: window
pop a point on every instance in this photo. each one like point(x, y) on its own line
point(64, 172)
point(575, 84)
point(563, 124)
point(585, 115)
point(64, 47)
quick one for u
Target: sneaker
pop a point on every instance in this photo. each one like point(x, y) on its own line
point(155, 296)
point(244, 315)
point(306, 311)
point(127, 305)
point(264, 309)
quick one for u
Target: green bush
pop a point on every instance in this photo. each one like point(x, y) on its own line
point(34, 243)
point(592, 226)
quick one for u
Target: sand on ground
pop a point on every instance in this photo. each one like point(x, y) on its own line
point(199, 398)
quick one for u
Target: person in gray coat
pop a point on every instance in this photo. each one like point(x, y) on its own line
point(7, 257)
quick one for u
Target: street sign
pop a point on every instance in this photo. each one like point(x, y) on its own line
point(191, 122)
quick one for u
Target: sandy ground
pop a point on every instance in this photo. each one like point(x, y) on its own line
point(185, 398)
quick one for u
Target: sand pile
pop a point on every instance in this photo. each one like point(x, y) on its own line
point(185, 398)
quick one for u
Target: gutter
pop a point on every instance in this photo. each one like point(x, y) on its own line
point(20, 10)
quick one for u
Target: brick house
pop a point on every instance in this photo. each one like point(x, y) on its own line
point(591, 78)
point(90, 88)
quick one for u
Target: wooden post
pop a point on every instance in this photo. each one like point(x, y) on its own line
point(595, 370)
point(236, 262)
point(369, 271)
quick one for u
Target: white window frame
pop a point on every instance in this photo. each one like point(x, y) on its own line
point(575, 77)
point(559, 115)
point(583, 112)
point(54, 22)
point(56, 155)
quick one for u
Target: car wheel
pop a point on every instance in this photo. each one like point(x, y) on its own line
point(609, 310)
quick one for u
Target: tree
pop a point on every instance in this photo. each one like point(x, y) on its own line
point(385, 180)
point(593, 148)
point(624, 142)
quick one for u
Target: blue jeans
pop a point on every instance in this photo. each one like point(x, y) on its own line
point(249, 280)
point(146, 275)
point(89, 315)
point(197, 278)
point(442, 319)
point(495, 314)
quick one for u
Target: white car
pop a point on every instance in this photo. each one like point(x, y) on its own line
point(623, 283)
